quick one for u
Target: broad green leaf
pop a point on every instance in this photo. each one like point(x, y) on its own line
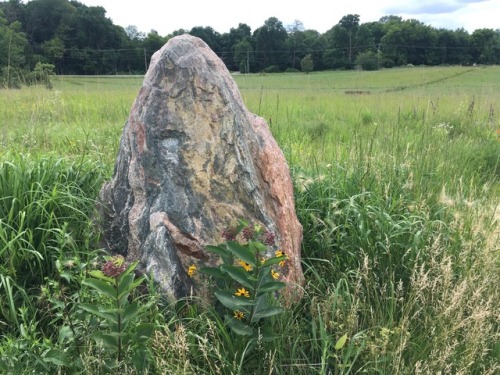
point(259, 246)
point(232, 302)
point(274, 260)
point(124, 285)
point(65, 333)
point(57, 357)
point(266, 313)
point(239, 275)
point(144, 331)
point(110, 317)
point(98, 274)
point(101, 286)
point(217, 250)
point(129, 269)
point(129, 284)
point(241, 252)
point(239, 327)
point(270, 287)
point(341, 342)
point(213, 271)
point(129, 313)
point(105, 340)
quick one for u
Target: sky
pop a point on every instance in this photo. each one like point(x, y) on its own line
point(168, 16)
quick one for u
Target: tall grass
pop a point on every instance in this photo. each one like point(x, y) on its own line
point(397, 191)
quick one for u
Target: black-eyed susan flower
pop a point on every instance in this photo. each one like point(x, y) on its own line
point(279, 254)
point(275, 275)
point(191, 270)
point(245, 265)
point(239, 315)
point(242, 292)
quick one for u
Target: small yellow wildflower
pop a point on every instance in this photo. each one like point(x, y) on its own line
point(242, 292)
point(239, 315)
point(245, 265)
point(191, 270)
point(275, 274)
point(280, 253)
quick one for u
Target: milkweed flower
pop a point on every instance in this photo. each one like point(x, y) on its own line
point(269, 238)
point(239, 315)
point(245, 265)
point(114, 266)
point(242, 292)
point(191, 270)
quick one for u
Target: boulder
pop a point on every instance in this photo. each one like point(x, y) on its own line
point(193, 159)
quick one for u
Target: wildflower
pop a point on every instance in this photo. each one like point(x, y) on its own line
point(242, 292)
point(280, 254)
point(239, 315)
point(248, 233)
point(245, 265)
point(114, 266)
point(269, 238)
point(191, 270)
point(275, 274)
point(229, 234)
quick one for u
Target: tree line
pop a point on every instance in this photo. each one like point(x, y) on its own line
point(68, 37)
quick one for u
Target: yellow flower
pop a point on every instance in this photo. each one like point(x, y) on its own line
point(239, 315)
point(245, 265)
point(191, 270)
point(279, 254)
point(242, 292)
point(275, 274)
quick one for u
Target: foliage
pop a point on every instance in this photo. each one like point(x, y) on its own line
point(80, 39)
point(368, 61)
point(307, 64)
point(125, 337)
point(247, 281)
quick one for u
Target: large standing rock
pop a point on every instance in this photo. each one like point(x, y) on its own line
point(191, 160)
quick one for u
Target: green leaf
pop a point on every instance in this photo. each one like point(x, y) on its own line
point(144, 331)
point(129, 313)
point(129, 269)
point(341, 342)
point(232, 302)
point(124, 285)
point(110, 317)
point(259, 246)
point(266, 313)
point(239, 275)
point(270, 287)
point(214, 272)
point(65, 334)
point(219, 250)
point(127, 284)
point(105, 340)
point(98, 274)
point(102, 287)
point(57, 357)
point(273, 260)
point(239, 327)
point(241, 252)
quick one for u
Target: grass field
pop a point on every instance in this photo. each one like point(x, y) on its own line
point(396, 177)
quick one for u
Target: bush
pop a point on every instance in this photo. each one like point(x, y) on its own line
point(368, 61)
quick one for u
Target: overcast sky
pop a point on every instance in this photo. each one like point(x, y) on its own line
point(167, 16)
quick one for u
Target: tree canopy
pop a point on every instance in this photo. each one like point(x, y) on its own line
point(80, 39)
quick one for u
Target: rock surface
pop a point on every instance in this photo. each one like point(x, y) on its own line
point(193, 159)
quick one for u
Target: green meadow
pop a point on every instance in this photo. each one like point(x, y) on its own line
point(396, 175)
